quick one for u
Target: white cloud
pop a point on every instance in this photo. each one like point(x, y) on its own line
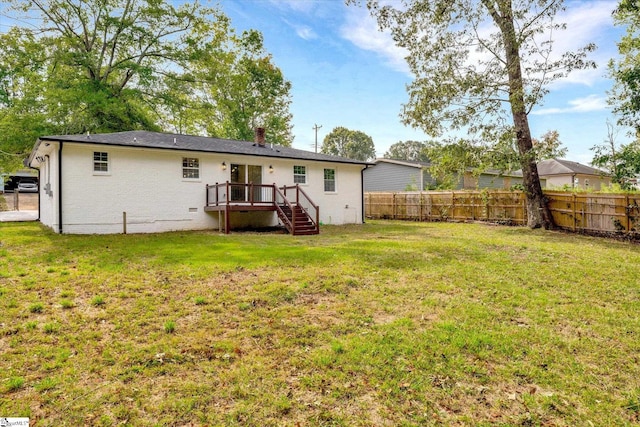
point(578, 105)
point(587, 22)
point(303, 31)
point(362, 30)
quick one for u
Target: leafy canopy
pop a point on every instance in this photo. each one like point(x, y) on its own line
point(75, 66)
point(480, 66)
point(625, 97)
point(352, 144)
point(407, 150)
point(622, 162)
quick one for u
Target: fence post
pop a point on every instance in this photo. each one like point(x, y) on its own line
point(453, 205)
point(394, 206)
point(16, 199)
point(574, 212)
point(627, 212)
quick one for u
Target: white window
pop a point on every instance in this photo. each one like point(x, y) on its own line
point(190, 168)
point(100, 161)
point(299, 174)
point(330, 180)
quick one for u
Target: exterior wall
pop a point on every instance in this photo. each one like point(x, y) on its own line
point(147, 184)
point(392, 177)
point(48, 187)
point(498, 182)
point(343, 206)
point(591, 182)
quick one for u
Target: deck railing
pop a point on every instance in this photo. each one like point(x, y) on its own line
point(245, 194)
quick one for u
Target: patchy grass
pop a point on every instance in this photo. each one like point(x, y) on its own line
point(383, 324)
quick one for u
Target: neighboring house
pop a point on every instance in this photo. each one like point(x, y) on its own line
point(402, 175)
point(143, 182)
point(397, 175)
point(560, 173)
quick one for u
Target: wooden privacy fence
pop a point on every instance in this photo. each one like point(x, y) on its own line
point(577, 212)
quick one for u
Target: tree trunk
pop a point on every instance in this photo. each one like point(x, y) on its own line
point(538, 213)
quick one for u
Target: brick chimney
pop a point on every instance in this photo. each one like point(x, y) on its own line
point(260, 136)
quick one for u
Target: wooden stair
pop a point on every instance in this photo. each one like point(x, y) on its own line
point(298, 222)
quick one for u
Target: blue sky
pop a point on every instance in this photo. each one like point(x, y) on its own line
point(345, 72)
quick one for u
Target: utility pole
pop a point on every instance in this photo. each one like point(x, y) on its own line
point(316, 127)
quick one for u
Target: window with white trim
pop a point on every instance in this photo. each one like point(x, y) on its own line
point(100, 161)
point(299, 174)
point(190, 168)
point(330, 180)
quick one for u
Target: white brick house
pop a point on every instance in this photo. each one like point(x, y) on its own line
point(147, 182)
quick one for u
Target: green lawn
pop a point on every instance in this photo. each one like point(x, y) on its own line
point(384, 324)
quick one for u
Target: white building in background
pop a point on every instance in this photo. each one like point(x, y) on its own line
point(147, 182)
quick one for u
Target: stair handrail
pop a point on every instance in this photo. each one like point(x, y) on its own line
point(305, 201)
point(279, 195)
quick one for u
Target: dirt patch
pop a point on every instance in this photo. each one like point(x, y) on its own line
point(19, 202)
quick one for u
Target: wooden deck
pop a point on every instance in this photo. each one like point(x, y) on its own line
point(295, 210)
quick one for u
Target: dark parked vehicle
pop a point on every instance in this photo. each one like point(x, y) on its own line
point(27, 186)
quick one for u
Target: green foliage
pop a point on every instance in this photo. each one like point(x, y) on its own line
point(622, 162)
point(625, 69)
point(15, 383)
point(451, 160)
point(133, 64)
point(169, 326)
point(36, 307)
point(67, 304)
point(97, 301)
point(489, 95)
point(51, 328)
point(352, 144)
point(408, 150)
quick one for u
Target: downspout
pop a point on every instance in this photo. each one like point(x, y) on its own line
point(362, 207)
point(60, 188)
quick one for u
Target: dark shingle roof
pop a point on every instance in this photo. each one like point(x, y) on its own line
point(169, 141)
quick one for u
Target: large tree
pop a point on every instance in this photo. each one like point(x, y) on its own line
point(75, 66)
point(480, 66)
point(453, 157)
point(625, 97)
point(407, 150)
point(352, 144)
point(621, 161)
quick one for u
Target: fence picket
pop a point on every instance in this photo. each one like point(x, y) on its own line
point(597, 212)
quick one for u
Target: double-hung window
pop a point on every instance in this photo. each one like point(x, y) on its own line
point(299, 174)
point(190, 168)
point(330, 180)
point(100, 162)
